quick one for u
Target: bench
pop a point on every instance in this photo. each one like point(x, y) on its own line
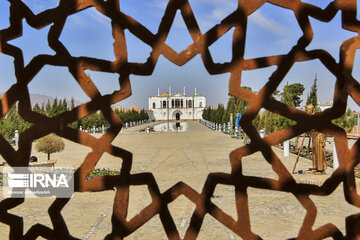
point(50, 163)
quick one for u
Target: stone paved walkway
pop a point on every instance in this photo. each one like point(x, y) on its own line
point(187, 157)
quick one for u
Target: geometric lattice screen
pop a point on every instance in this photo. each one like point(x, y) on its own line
point(346, 86)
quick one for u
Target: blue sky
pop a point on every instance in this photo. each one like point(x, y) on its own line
point(271, 30)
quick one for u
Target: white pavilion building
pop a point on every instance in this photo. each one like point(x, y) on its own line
point(176, 106)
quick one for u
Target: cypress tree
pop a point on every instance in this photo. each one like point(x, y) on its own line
point(63, 106)
point(54, 108)
point(48, 109)
point(42, 110)
point(72, 104)
point(219, 113)
point(312, 96)
point(36, 108)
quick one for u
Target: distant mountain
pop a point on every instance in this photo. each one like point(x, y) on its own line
point(43, 99)
point(133, 107)
point(120, 108)
point(40, 99)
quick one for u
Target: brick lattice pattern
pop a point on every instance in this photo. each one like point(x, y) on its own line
point(345, 86)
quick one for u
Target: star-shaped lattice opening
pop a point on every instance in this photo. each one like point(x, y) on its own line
point(346, 86)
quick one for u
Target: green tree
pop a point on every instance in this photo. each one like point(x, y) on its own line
point(219, 113)
point(133, 115)
point(36, 108)
point(11, 122)
point(291, 94)
point(257, 121)
point(346, 121)
point(206, 114)
point(72, 106)
point(212, 115)
point(276, 94)
point(222, 115)
point(50, 144)
point(77, 123)
point(236, 106)
point(143, 115)
point(54, 108)
point(42, 109)
point(312, 95)
point(269, 121)
point(48, 109)
point(62, 106)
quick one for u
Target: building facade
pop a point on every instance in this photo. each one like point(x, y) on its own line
point(324, 106)
point(177, 106)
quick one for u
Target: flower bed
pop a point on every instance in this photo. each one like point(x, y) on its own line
point(102, 172)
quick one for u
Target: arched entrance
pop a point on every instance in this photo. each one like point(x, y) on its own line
point(177, 115)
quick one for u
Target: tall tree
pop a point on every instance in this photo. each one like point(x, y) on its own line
point(219, 113)
point(291, 96)
point(9, 124)
point(312, 95)
point(42, 110)
point(62, 106)
point(206, 113)
point(72, 106)
point(222, 115)
point(236, 106)
point(54, 108)
point(77, 123)
point(36, 108)
point(12, 122)
point(48, 108)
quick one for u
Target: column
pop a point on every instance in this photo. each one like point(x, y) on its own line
point(335, 157)
point(286, 148)
point(16, 137)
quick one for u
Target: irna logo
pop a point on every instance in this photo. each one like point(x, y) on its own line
point(44, 180)
point(20, 182)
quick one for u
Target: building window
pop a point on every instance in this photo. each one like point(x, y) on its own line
point(182, 103)
point(190, 104)
point(154, 106)
point(200, 104)
point(164, 104)
point(177, 103)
